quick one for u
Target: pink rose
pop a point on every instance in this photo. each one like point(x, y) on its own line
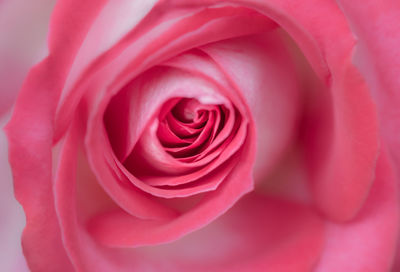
point(242, 135)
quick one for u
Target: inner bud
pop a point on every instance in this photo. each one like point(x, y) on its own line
point(187, 127)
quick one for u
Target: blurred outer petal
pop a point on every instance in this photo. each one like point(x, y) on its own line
point(367, 243)
point(23, 31)
point(32, 123)
point(377, 29)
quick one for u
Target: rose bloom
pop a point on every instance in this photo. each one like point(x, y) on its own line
point(176, 135)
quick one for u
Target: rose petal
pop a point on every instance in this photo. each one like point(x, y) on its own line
point(84, 254)
point(33, 113)
point(113, 22)
point(376, 55)
point(368, 242)
point(256, 234)
point(259, 66)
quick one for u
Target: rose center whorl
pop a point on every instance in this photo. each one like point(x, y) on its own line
point(189, 128)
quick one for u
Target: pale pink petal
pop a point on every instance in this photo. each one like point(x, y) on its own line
point(259, 66)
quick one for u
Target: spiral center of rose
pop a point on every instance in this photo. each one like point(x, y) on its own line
point(187, 127)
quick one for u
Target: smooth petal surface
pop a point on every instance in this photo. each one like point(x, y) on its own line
point(105, 32)
point(83, 252)
point(376, 28)
point(257, 234)
point(260, 67)
point(368, 242)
